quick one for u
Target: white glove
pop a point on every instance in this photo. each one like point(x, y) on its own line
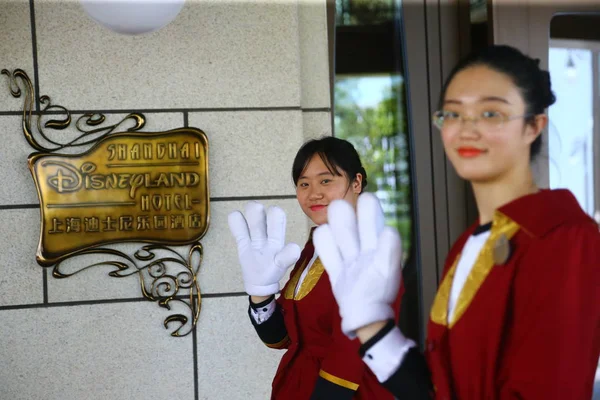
point(363, 261)
point(262, 252)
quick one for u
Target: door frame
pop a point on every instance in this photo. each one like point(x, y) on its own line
point(436, 36)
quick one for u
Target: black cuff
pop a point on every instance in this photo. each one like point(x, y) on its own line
point(380, 335)
point(413, 379)
point(326, 390)
point(272, 331)
point(262, 303)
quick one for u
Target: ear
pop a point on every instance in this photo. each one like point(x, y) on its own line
point(535, 127)
point(357, 183)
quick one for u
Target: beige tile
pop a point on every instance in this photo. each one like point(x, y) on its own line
point(251, 152)
point(93, 352)
point(16, 48)
point(20, 276)
point(16, 181)
point(232, 362)
point(214, 54)
point(314, 54)
point(316, 124)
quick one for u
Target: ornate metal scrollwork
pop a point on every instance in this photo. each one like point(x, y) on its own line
point(166, 277)
point(88, 124)
point(161, 278)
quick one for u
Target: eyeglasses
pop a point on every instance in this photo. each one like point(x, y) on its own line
point(487, 120)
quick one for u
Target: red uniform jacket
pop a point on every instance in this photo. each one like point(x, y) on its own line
point(526, 326)
point(320, 360)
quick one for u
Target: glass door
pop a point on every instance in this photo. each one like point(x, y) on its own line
point(390, 58)
point(574, 136)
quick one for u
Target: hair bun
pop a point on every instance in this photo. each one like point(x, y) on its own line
point(546, 89)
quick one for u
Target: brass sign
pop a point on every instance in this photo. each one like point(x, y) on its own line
point(147, 187)
point(150, 187)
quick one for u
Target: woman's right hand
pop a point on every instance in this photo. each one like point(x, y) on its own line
point(262, 251)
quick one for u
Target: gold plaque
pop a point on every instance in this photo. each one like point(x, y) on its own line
point(130, 186)
point(145, 187)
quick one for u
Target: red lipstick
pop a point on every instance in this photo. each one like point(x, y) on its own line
point(469, 152)
point(317, 208)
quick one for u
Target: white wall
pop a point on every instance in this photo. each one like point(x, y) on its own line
point(254, 76)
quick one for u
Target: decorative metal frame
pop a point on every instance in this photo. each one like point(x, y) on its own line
point(165, 280)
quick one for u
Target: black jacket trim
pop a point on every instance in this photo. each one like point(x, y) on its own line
point(257, 306)
point(272, 331)
point(413, 379)
point(327, 390)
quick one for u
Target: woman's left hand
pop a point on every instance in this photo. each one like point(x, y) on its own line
point(363, 261)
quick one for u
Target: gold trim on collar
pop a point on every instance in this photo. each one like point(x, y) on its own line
point(293, 282)
point(439, 310)
point(309, 282)
point(502, 227)
point(338, 381)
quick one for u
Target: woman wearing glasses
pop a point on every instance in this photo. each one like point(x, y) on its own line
point(517, 312)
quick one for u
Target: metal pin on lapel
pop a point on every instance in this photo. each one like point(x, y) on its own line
point(501, 250)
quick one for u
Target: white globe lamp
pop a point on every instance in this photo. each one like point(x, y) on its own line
point(133, 17)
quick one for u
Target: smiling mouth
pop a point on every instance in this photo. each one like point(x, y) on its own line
point(469, 152)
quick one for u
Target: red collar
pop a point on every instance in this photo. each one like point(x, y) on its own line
point(541, 212)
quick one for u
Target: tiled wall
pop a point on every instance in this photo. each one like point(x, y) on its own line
point(253, 75)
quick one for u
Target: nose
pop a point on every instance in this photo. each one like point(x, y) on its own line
point(315, 193)
point(468, 128)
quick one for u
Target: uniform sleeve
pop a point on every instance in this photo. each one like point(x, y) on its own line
point(343, 369)
point(267, 319)
point(553, 349)
point(261, 313)
point(398, 364)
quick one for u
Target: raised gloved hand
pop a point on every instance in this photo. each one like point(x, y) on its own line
point(262, 251)
point(363, 261)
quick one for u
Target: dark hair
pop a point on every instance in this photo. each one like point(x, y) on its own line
point(338, 155)
point(533, 82)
